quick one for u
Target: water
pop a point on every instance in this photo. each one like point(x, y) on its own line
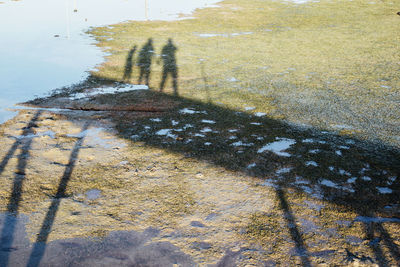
point(43, 45)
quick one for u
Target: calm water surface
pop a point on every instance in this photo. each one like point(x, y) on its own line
point(43, 45)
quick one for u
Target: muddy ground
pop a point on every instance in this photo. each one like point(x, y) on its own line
point(147, 179)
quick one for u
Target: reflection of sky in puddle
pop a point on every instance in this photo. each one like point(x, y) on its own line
point(34, 61)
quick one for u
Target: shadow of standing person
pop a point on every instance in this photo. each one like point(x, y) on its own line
point(129, 64)
point(144, 61)
point(169, 66)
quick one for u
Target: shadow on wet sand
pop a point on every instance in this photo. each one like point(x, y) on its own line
point(24, 143)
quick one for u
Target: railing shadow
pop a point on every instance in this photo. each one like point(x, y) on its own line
point(295, 234)
point(24, 142)
point(376, 234)
point(39, 246)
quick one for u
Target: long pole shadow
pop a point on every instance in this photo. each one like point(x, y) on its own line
point(295, 234)
point(373, 228)
point(26, 131)
point(9, 155)
point(7, 234)
point(39, 247)
point(370, 233)
point(388, 240)
point(203, 74)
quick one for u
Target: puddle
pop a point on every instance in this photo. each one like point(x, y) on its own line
point(41, 50)
point(278, 147)
point(93, 194)
point(329, 183)
point(384, 190)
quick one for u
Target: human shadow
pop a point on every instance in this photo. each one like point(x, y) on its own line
point(24, 143)
point(39, 246)
point(144, 61)
point(169, 66)
point(129, 64)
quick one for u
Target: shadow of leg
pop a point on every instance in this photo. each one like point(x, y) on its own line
point(175, 81)
point(163, 79)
